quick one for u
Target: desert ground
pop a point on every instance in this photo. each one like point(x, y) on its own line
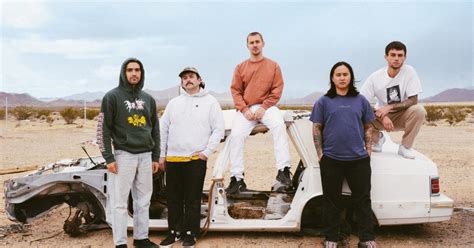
point(26, 143)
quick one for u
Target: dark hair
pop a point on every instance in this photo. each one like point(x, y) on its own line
point(253, 34)
point(395, 45)
point(134, 60)
point(352, 89)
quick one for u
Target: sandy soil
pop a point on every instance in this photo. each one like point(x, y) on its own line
point(36, 143)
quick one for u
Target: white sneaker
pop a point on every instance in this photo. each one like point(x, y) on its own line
point(405, 152)
point(377, 147)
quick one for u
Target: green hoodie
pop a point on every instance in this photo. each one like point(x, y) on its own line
point(128, 119)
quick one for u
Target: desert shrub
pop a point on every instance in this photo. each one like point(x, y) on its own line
point(55, 115)
point(50, 120)
point(433, 113)
point(160, 110)
point(23, 112)
point(2, 114)
point(454, 114)
point(70, 114)
point(296, 107)
point(92, 113)
point(471, 107)
point(466, 110)
point(43, 112)
point(227, 107)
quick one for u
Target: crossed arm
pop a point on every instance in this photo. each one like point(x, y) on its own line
point(382, 112)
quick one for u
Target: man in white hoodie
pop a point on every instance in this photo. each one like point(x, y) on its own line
point(191, 129)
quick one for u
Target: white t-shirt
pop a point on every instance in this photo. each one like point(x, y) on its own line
point(389, 90)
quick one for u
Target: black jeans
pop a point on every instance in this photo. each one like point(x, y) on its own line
point(184, 182)
point(358, 174)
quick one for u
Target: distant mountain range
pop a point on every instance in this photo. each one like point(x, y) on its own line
point(88, 96)
point(93, 99)
point(453, 95)
point(27, 100)
point(307, 100)
point(162, 97)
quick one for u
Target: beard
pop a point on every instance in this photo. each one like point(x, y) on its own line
point(256, 52)
point(396, 67)
point(133, 81)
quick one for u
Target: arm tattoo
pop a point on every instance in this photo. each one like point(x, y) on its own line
point(317, 138)
point(412, 100)
point(368, 136)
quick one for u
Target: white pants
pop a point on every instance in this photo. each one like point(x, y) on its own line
point(241, 129)
point(134, 171)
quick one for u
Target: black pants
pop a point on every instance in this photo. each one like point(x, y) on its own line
point(357, 173)
point(184, 182)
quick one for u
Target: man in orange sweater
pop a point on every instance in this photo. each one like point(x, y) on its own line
point(256, 88)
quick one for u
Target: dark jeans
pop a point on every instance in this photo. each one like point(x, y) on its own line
point(357, 173)
point(184, 182)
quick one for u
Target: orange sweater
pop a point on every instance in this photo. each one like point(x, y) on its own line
point(259, 82)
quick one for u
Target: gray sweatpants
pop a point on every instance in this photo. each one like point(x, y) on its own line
point(134, 171)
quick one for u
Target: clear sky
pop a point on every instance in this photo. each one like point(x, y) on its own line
point(59, 48)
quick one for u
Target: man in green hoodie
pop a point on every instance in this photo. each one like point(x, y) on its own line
point(128, 121)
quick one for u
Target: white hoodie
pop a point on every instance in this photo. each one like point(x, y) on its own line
point(191, 123)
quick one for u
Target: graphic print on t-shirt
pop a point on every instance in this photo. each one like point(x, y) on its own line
point(393, 94)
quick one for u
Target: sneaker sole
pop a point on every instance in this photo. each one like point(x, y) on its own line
point(240, 189)
point(405, 156)
point(170, 245)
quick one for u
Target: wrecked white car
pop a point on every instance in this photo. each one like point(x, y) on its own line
point(404, 191)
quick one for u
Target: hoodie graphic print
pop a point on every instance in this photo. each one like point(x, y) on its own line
point(136, 120)
point(128, 119)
